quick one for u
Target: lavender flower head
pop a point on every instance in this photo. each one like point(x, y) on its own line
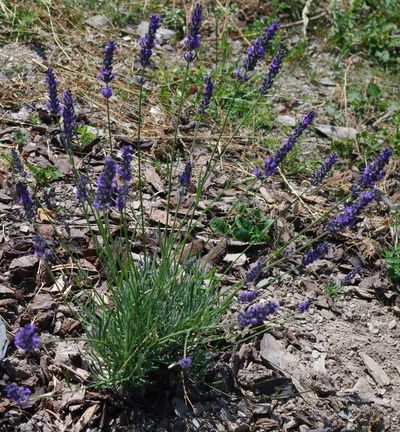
point(69, 120)
point(269, 33)
point(17, 164)
point(53, 104)
point(106, 74)
point(82, 192)
point(125, 176)
point(322, 172)
point(348, 278)
point(18, 394)
point(185, 362)
point(27, 338)
point(248, 296)
point(271, 163)
point(192, 40)
point(106, 185)
point(315, 253)
point(41, 247)
point(374, 172)
point(26, 200)
point(185, 179)
point(256, 52)
point(253, 273)
point(125, 171)
point(148, 41)
point(207, 95)
point(257, 313)
point(273, 72)
point(305, 305)
point(350, 213)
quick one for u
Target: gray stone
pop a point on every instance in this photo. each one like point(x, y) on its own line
point(325, 81)
point(3, 340)
point(274, 352)
point(337, 132)
point(98, 22)
point(286, 120)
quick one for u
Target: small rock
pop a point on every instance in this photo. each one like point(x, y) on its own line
point(98, 22)
point(392, 325)
point(286, 120)
point(325, 81)
point(3, 340)
point(237, 259)
point(337, 132)
point(262, 409)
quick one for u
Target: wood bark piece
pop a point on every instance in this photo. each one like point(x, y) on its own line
point(279, 358)
point(376, 371)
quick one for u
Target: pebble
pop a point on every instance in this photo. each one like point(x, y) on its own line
point(98, 22)
point(392, 325)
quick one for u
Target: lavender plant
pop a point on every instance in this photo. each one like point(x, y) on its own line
point(162, 305)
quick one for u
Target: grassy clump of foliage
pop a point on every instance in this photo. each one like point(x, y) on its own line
point(368, 26)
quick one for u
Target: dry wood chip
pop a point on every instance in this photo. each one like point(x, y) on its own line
point(154, 179)
point(86, 417)
point(376, 371)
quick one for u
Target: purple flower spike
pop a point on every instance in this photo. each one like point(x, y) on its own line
point(125, 171)
point(374, 172)
point(106, 185)
point(18, 394)
point(185, 179)
point(253, 274)
point(273, 72)
point(315, 253)
point(304, 306)
point(321, 173)
point(82, 192)
point(257, 313)
point(192, 40)
point(185, 363)
point(40, 247)
point(26, 200)
point(271, 163)
point(148, 41)
point(269, 33)
point(348, 278)
point(350, 213)
point(248, 296)
point(256, 52)
point(125, 176)
point(16, 162)
point(69, 120)
point(53, 104)
point(106, 74)
point(27, 338)
point(207, 95)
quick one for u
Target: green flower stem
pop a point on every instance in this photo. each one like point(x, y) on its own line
point(139, 150)
point(109, 126)
point(175, 138)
